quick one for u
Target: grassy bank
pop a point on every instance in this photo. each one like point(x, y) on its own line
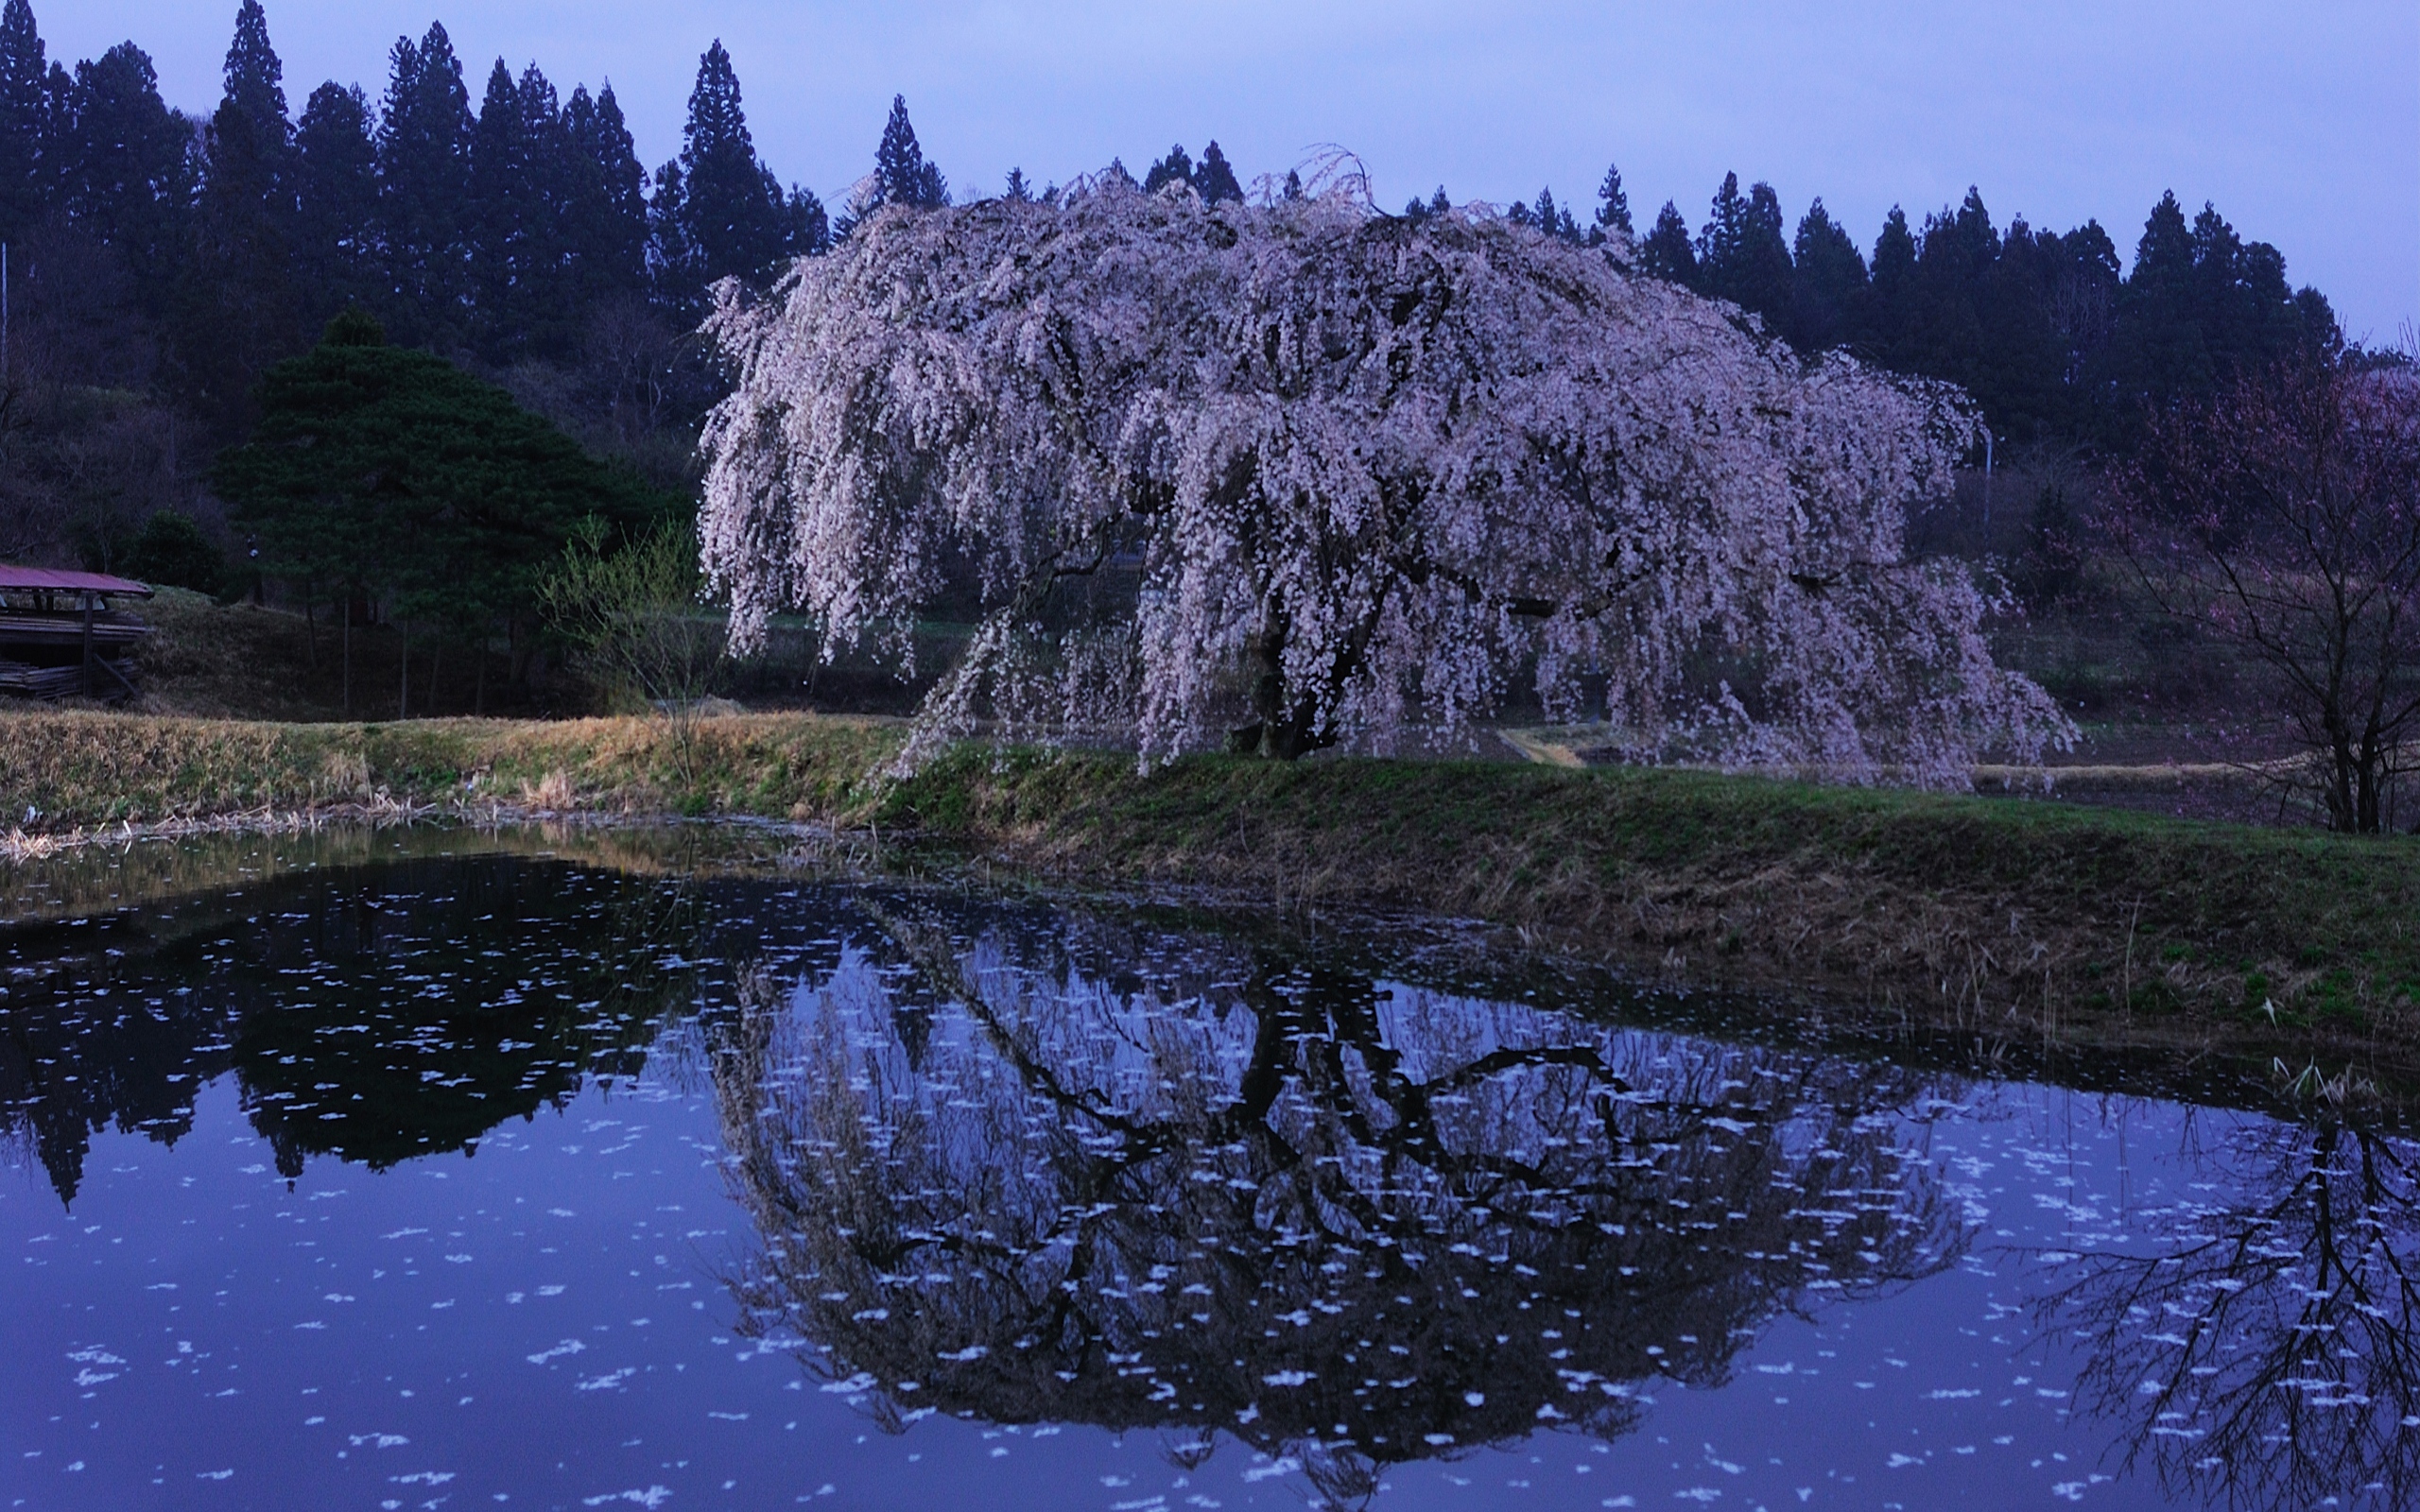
point(2006, 920)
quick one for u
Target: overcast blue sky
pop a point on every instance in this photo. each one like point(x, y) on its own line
point(2302, 122)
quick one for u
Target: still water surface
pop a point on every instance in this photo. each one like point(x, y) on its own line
point(350, 1175)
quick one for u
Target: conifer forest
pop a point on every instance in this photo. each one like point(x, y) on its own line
point(163, 262)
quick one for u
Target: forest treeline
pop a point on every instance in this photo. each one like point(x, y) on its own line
point(162, 264)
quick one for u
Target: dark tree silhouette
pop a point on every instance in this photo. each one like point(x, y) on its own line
point(2284, 515)
point(1248, 1196)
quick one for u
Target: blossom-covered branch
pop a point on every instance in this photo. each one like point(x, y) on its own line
point(1365, 469)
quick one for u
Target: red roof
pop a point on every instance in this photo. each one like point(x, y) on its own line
point(22, 580)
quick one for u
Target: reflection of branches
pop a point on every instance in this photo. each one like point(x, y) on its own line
point(1353, 1225)
point(2272, 1350)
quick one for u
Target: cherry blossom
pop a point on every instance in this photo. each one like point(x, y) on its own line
point(1356, 475)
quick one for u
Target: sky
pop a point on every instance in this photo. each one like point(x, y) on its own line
point(2300, 122)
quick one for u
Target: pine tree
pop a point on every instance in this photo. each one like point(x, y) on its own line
point(1016, 188)
point(1613, 204)
point(1668, 252)
point(424, 181)
point(1438, 203)
point(129, 171)
point(1828, 289)
point(335, 192)
point(901, 175)
point(1214, 180)
point(28, 177)
point(735, 221)
point(1175, 168)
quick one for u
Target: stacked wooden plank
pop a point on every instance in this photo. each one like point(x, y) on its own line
point(59, 638)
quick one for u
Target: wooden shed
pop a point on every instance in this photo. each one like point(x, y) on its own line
point(61, 635)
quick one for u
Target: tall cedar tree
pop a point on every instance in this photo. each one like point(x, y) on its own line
point(732, 219)
point(241, 310)
point(335, 242)
point(1892, 291)
point(130, 172)
point(521, 180)
point(901, 175)
point(607, 207)
point(1827, 283)
point(423, 186)
point(1741, 256)
point(1214, 178)
point(1668, 252)
point(255, 80)
point(1612, 203)
point(1175, 168)
point(27, 177)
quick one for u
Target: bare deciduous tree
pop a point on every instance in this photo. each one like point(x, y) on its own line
point(2284, 515)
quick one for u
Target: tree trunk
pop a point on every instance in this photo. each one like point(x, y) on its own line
point(435, 658)
point(479, 680)
point(1287, 730)
point(403, 665)
point(345, 608)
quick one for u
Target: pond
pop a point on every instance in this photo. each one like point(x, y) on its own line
point(549, 1171)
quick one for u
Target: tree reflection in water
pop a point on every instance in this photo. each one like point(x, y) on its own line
point(1350, 1223)
point(376, 1014)
point(2268, 1357)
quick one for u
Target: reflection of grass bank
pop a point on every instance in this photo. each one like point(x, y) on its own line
point(2004, 918)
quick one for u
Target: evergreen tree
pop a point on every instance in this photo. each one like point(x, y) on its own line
point(1552, 218)
point(1016, 188)
point(425, 183)
point(241, 310)
point(522, 218)
point(130, 172)
point(1741, 256)
point(1438, 203)
point(1214, 180)
point(255, 81)
point(1827, 286)
point(336, 215)
point(1725, 234)
point(1889, 308)
point(734, 219)
point(670, 262)
point(28, 176)
point(1668, 252)
point(1944, 336)
point(1174, 169)
point(901, 175)
point(808, 226)
point(606, 205)
point(1612, 203)
point(382, 470)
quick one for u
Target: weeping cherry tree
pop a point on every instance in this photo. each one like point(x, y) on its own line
point(1360, 474)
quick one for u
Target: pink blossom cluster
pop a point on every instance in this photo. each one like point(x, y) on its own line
point(1395, 464)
